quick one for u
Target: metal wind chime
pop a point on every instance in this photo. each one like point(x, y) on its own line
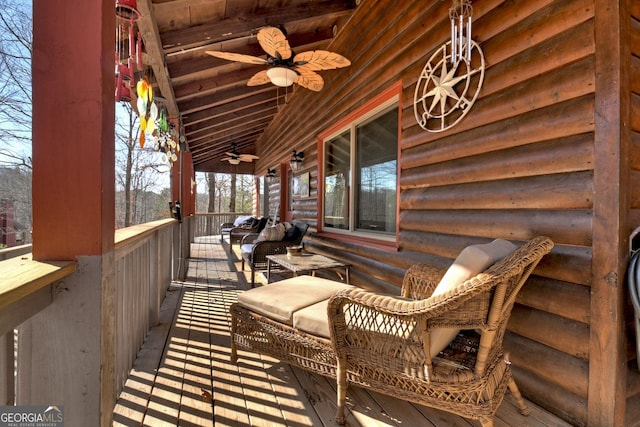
point(452, 77)
point(460, 15)
point(128, 48)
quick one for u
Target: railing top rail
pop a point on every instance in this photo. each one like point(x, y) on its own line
point(223, 213)
point(22, 276)
point(125, 236)
point(6, 253)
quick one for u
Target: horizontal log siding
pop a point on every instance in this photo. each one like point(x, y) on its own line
point(519, 164)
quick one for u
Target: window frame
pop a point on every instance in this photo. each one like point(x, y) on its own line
point(377, 106)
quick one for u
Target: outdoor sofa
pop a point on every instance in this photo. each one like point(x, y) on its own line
point(242, 226)
point(272, 240)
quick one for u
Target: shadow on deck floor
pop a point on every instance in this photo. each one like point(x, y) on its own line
point(183, 375)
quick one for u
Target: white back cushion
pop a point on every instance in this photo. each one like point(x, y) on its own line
point(471, 261)
point(241, 220)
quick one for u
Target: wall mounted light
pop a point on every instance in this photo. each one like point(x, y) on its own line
point(296, 160)
point(270, 176)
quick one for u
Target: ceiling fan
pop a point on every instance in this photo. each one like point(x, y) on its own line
point(287, 67)
point(234, 157)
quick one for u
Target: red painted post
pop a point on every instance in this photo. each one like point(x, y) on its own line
point(73, 129)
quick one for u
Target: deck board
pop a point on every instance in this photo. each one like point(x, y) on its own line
point(183, 374)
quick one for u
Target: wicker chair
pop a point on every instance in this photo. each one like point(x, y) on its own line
point(255, 253)
point(383, 342)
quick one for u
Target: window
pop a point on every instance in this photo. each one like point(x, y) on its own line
point(365, 153)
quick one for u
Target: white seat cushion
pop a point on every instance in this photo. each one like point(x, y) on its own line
point(280, 300)
point(470, 262)
point(313, 319)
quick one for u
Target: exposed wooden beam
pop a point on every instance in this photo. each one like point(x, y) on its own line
point(152, 44)
point(216, 32)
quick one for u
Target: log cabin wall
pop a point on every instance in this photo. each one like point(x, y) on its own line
point(521, 163)
point(633, 403)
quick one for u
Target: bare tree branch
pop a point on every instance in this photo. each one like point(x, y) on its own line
point(16, 36)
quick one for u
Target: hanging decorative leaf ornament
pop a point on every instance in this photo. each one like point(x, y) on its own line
point(155, 124)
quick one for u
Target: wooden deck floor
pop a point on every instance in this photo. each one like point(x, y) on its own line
point(183, 375)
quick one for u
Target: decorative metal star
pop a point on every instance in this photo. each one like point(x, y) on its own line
point(444, 87)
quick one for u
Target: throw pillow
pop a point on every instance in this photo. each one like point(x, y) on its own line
point(293, 233)
point(272, 233)
point(241, 220)
point(470, 262)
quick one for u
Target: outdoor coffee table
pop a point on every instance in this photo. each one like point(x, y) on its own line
point(306, 262)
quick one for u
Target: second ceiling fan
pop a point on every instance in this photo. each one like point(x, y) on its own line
point(234, 157)
point(287, 67)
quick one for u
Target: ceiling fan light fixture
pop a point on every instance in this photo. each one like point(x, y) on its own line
point(282, 76)
point(234, 161)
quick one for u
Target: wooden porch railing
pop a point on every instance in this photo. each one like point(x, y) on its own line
point(144, 270)
point(147, 257)
point(208, 224)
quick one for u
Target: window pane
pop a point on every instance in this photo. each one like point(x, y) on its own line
point(376, 173)
point(336, 182)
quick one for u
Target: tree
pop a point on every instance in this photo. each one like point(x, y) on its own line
point(16, 36)
point(211, 183)
point(232, 198)
point(138, 173)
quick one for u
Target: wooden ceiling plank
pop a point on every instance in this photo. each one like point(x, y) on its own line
point(205, 86)
point(247, 26)
point(248, 135)
point(230, 107)
point(213, 122)
point(230, 131)
point(228, 134)
point(233, 122)
point(224, 97)
point(219, 149)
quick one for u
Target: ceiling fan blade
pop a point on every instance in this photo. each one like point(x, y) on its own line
point(232, 154)
point(226, 159)
point(310, 80)
point(274, 42)
point(248, 157)
point(320, 60)
point(259, 78)
point(239, 57)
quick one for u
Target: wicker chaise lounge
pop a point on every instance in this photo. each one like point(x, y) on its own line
point(399, 345)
